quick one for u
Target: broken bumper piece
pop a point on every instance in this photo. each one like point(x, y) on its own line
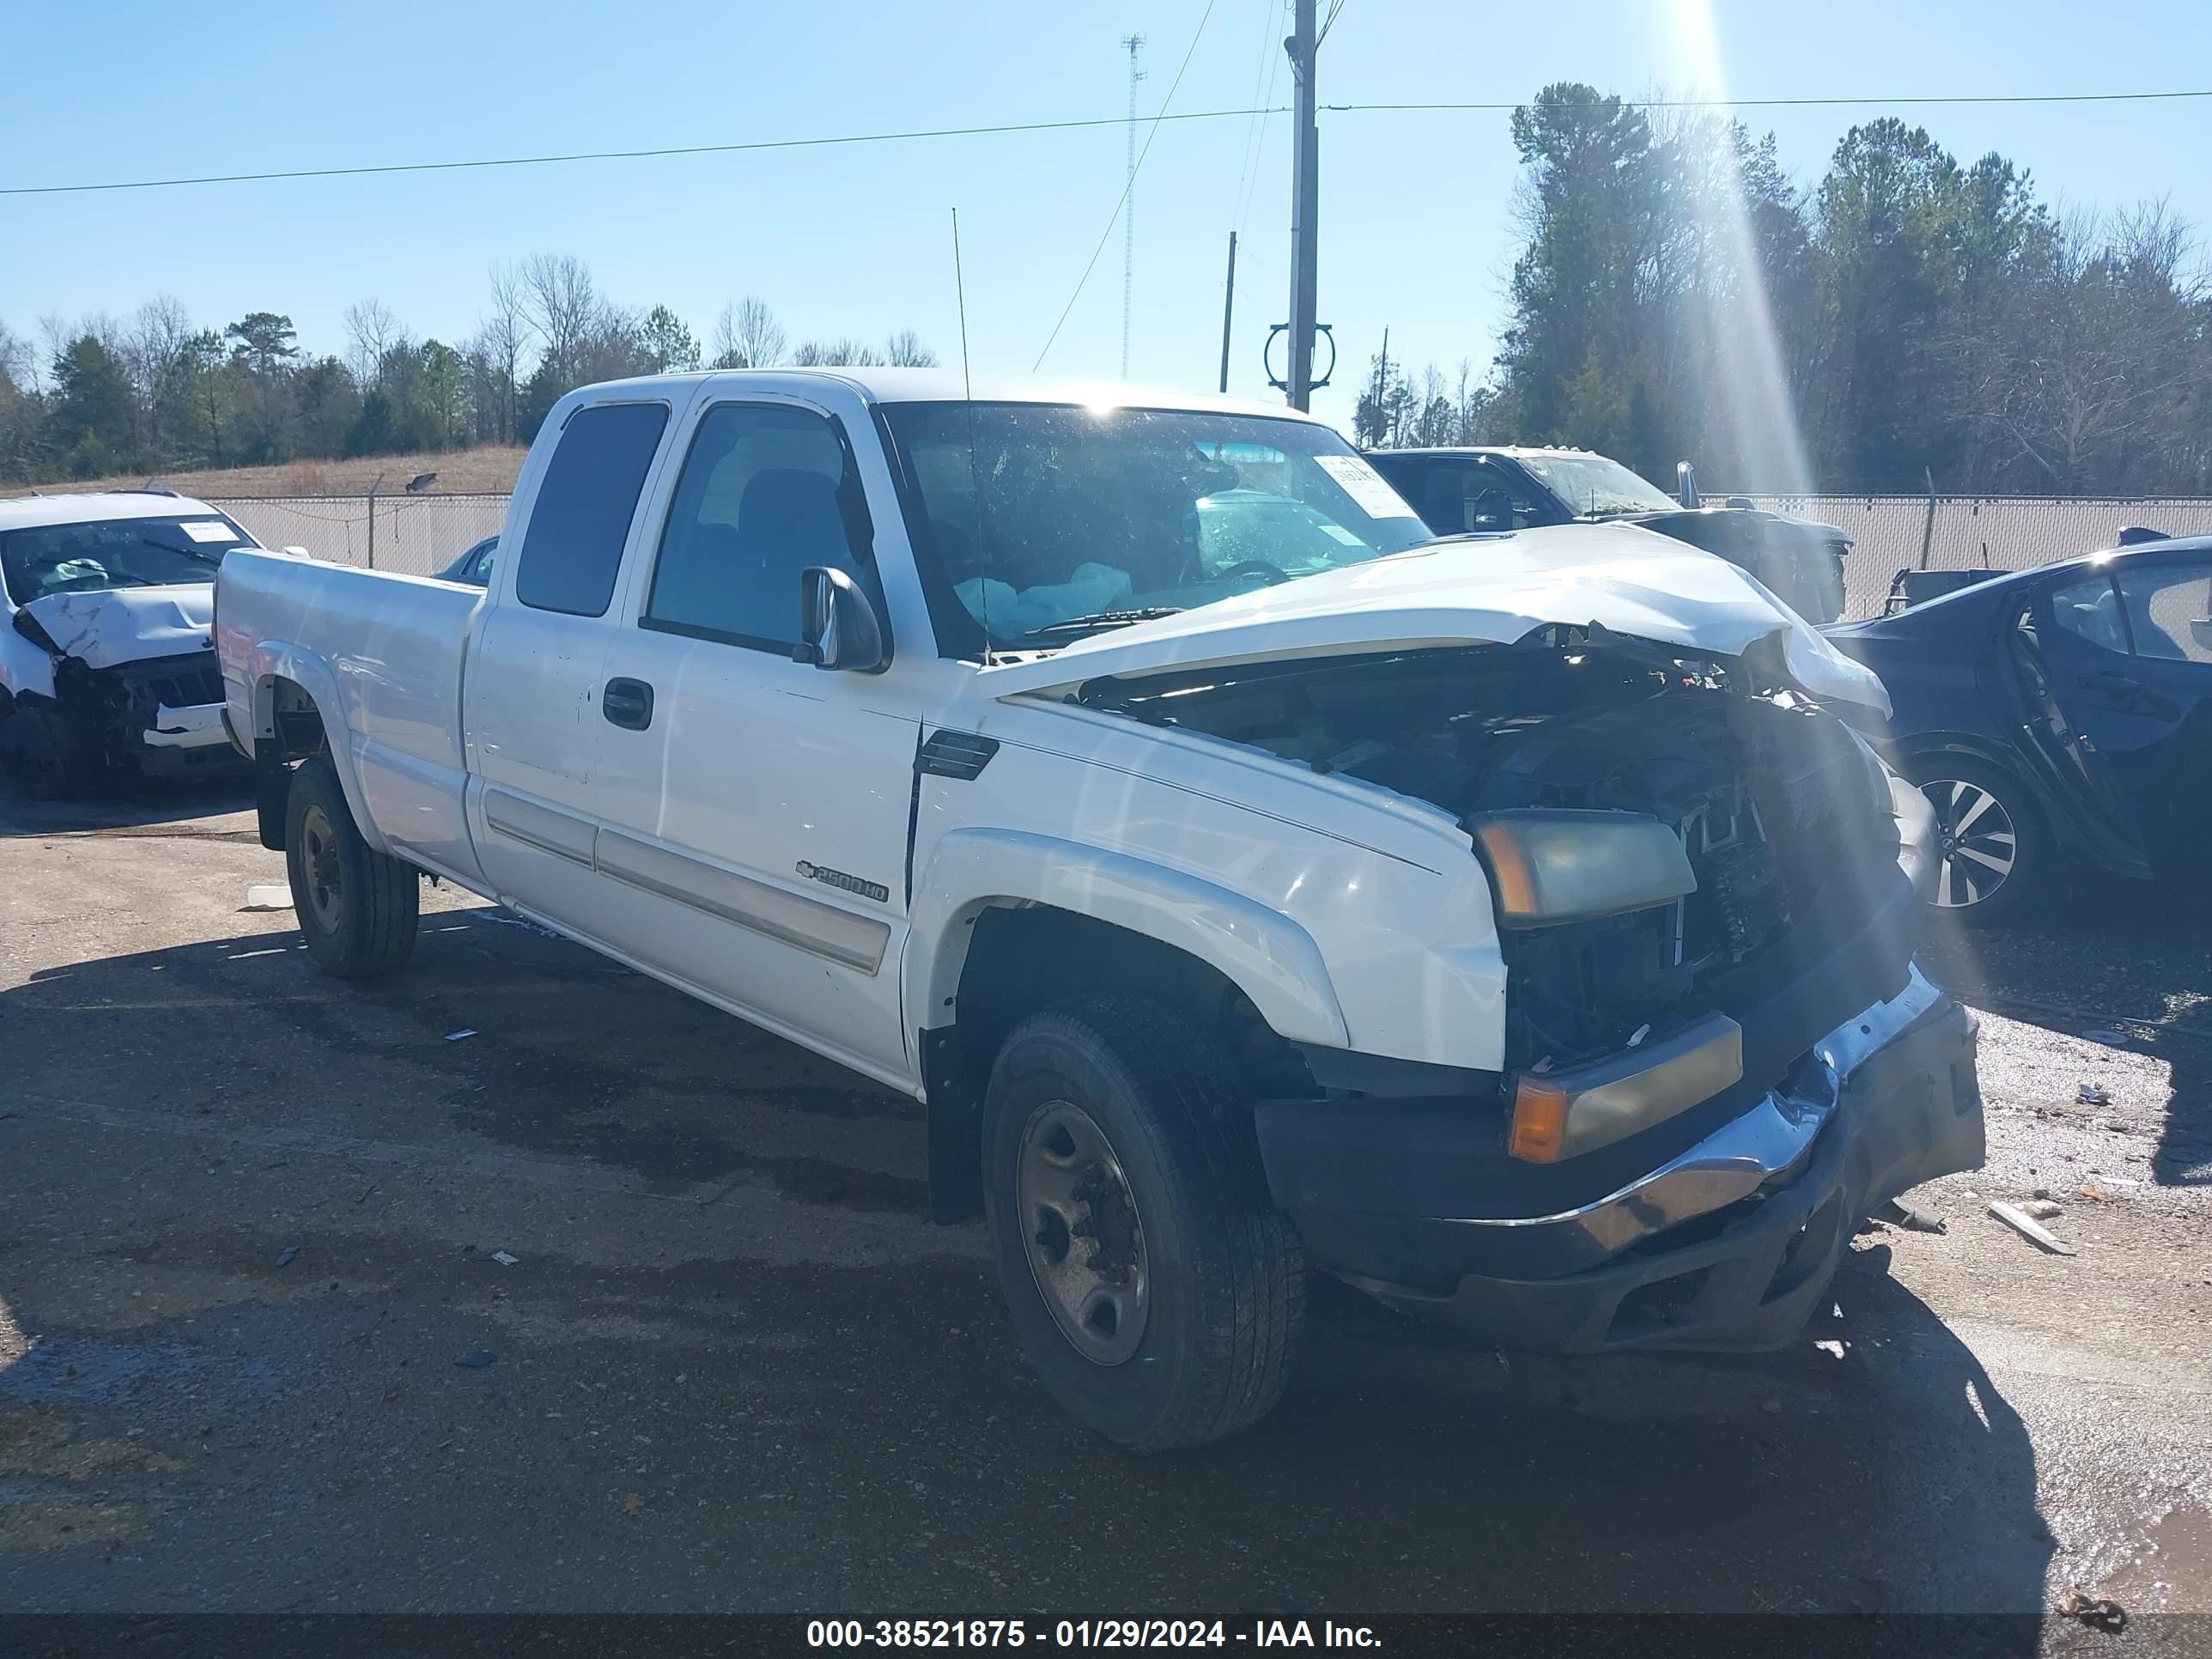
point(1728, 1244)
point(187, 728)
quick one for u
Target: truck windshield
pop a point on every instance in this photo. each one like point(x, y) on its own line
point(1048, 521)
point(1594, 487)
point(82, 558)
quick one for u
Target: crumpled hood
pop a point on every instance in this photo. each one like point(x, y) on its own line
point(128, 624)
point(1481, 590)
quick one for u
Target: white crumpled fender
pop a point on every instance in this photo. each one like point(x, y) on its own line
point(24, 667)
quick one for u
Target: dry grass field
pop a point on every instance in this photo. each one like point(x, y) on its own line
point(487, 471)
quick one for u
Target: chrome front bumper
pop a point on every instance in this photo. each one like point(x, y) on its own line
point(1767, 1144)
point(1730, 1244)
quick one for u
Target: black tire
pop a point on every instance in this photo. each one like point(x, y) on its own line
point(1964, 790)
point(356, 906)
point(1220, 1278)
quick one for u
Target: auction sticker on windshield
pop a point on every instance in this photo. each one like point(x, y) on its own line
point(206, 531)
point(1364, 485)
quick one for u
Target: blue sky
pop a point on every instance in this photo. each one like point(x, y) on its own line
point(1415, 207)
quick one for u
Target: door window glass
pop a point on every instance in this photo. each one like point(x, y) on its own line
point(2170, 612)
point(574, 545)
point(2091, 610)
point(760, 499)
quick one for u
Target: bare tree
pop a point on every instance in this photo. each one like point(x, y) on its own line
point(503, 336)
point(748, 336)
point(561, 301)
point(904, 349)
point(156, 339)
point(371, 331)
point(843, 352)
point(15, 358)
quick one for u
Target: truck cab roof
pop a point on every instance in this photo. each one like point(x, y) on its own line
point(949, 385)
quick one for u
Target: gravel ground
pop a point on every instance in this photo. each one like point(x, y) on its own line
point(248, 1220)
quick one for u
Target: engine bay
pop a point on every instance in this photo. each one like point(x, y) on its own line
point(1785, 820)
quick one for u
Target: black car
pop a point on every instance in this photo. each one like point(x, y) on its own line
point(1458, 490)
point(473, 567)
point(2055, 716)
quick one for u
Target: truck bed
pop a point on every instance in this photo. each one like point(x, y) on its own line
point(384, 666)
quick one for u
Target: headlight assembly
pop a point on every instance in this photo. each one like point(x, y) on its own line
point(1549, 865)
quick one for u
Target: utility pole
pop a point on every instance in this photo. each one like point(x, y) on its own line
point(1135, 43)
point(1305, 202)
point(1227, 309)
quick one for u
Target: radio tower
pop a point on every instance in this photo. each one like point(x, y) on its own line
point(1134, 44)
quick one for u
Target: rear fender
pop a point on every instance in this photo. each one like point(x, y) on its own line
point(273, 660)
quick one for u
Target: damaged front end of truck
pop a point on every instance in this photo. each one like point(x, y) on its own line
point(1719, 1056)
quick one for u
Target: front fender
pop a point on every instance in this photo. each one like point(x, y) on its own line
point(1269, 957)
point(272, 661)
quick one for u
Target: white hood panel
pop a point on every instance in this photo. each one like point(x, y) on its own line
point(128, 624)
point(1491, 591)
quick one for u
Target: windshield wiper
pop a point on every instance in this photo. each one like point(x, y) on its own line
point(1107, 619)
point(194, 552)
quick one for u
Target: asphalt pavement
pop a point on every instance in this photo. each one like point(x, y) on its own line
point(263, 1348)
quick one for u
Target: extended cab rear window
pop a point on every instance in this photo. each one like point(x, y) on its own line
point(574, 545)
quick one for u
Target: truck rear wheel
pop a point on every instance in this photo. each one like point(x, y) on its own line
point(356, 906)
point(1150, 1281)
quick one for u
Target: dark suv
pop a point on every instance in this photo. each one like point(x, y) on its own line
point(1458, 490)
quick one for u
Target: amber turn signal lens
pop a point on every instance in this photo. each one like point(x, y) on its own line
point(1540, 1121)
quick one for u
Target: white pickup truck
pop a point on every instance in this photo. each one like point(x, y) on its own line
point(1246, 883)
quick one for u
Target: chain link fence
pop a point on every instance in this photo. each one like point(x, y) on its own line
point(415, 535)
point(1999, 532)
point(419, 535)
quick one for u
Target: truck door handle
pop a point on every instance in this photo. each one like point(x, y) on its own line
point(627, 703)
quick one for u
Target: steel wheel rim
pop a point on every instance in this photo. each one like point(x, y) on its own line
point(1976, 843)
point(1081, 1232)
point(319, 867)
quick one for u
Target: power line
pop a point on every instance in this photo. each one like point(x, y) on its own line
point(849, 138)
point(627, 155)
point(1271, 56)
point(1152, 133)
point(1791, 103)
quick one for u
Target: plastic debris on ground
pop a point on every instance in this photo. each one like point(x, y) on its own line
point(2029, 1228)
point(2042, 1209)
point(284, 1256)
point(476, 1358)
point(267, 898)
point(2098, 1612)
point(1912, 1220)
point(2090, 1095)
point(504, 1258)
point(457, 1036)
point(2110, 1039)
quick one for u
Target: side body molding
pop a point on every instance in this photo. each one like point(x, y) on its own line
point(1270, 957)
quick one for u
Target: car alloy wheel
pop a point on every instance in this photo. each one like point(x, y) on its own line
point(1085, 1244)
point(1976, 843)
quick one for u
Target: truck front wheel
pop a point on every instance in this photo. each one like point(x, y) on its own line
point(356, 906)
point(1150, 1281)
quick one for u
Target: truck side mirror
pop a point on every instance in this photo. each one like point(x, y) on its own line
point(838, 627)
